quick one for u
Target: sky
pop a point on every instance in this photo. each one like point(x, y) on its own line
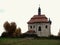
point(20, 11)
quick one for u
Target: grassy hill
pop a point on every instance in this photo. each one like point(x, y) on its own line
point(19, 41)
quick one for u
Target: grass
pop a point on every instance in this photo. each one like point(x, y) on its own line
point(19, 41)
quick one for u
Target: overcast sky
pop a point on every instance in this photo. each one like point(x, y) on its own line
point(20, 11)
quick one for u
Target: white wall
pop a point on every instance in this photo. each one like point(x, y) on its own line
point(44, 31)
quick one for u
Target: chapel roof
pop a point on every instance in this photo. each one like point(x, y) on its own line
point(38, 19)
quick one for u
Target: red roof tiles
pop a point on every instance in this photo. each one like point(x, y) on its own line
point(38, 19)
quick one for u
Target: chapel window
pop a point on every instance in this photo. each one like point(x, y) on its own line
point(31, 27)
point(39, 28)
point(46, 26)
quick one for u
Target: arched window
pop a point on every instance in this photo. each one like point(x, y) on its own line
point(46, 26)
point(39, 28)
point(31, 27)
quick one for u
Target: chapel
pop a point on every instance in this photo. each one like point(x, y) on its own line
point(40, 24)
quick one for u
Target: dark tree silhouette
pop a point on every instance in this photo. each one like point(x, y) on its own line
point(10, 28)
point(13, 27)
point(17, 32)
point(7, 26)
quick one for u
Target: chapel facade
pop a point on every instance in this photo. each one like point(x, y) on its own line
point(40, 24)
